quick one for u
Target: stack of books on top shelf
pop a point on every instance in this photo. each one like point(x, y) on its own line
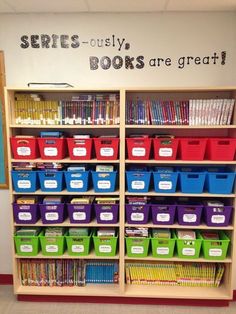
point(192, 112)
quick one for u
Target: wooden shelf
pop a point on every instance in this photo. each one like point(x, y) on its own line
point(181, 162)
point(179, 194)
point(68, 160)
point(177, 226)
point(73, 126)
point(88, 290)
point(65, 192)
point(67, 256)
point(178, 292)
point(177, 259)
point(67, 223)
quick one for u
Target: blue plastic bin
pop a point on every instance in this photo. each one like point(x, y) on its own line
point(51, 181)
point(104, 182)
point(220, 182)
point(165, 182)
point(77, 181)
point(24, 181)
point(192, 182)
point(138, 181)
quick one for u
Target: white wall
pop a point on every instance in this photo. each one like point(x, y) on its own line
point(150, 35)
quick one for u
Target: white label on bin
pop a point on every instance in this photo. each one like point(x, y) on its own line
point(79, 151)
point(137, 216)
point(137, 249)
point(24, 184)
point(218, 219)
point(105, 184)
point(26, 248)
point(77, 248)
point(50, 151)
point(76, 184)
point(107, 151)
point(23, 151)
point(188, 251)
point(163, 250)
point(51, 216)
point(138, 151)
point(24, 216)
point(163, 217)
point(79, 216)
point(51, 248)
point(189, 217)
point(106, 216)
point(165, 185)
point(165, 152)
point(50, 184)
point(104, 248)
point(215, 252)
point(137, 185)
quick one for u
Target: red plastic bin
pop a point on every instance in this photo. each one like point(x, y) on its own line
point(165, 148)
point(192, 148)
point(138, 148)
point(106, 148)
point(24, 148)
point(79, 148)
point(52, 148)
point(221, 148)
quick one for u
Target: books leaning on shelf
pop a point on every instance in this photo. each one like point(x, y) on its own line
point(67, 272)
point(185, 112)
point(101, 109)
point(175, 274)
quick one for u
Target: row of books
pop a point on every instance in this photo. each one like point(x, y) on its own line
point(175, 274)
point(192, 112)
point(72, 112)
point(59, 272)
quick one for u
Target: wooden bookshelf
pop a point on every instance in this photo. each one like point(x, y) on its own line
point(225, 291)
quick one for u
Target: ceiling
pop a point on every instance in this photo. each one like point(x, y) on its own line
point(116, 6)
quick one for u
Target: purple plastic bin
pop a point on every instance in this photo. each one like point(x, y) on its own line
point(163, 214)
point(213, 218)
point(79, 213)
point(25, 213)
point(137, 214)
point(53, 213)
point(189, 214)
point(106, 213)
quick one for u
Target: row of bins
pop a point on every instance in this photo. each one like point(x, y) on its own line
point(184, 213)
point(217, 180)
point(188, 213)
point(140, 148)
point(212, 180)
point(138, 247)
point(106, 148)
point(137, 148)
point(74, 245)
point(56, 181)
point(57, 213)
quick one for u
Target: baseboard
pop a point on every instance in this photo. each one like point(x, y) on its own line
point(122, 300)
point(6, 279)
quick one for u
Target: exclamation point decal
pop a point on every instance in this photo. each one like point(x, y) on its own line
point(223, 57)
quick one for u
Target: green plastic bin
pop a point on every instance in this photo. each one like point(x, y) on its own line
point(189, 249)
point(162, 247)
point(52, 246)
point(105, 246)
point(78, 245)
point(27, 246)
point(137, 247)
point(216, 249)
